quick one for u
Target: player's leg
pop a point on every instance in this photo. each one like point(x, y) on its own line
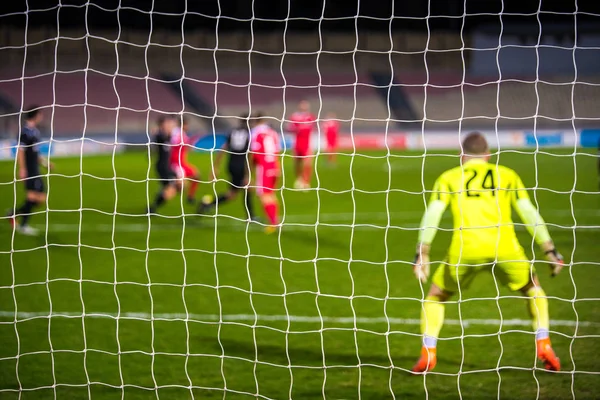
point(447, 280)
point(208, 201)
point(332, 156)
point(248, 196)
point(303, 166)
point(307, 170)
point(265, 186)
point(35, 195)
point(332, 149)
point(249, 204)
point(298, 165)
point(538, 309)
point(236, 183)
point(168, 190)
point(194, 178)
point(25, 209)
point(432, 320)
point(33, 200)
point(271, 207)
point(159, 200)
point(517, 274)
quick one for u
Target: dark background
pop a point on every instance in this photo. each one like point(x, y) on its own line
point(338, 15)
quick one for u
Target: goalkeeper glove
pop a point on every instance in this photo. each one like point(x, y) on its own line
point(421, 263)
point(554, 257)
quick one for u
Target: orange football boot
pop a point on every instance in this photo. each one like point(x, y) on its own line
point(547, 355)
point(427, 361)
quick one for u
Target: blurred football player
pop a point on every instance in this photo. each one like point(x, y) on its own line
point(331, 127)
point(28, 164)
point(167, 177)
point(302, 124)
point(179, 163)
point(265, 159)
point(237, 146)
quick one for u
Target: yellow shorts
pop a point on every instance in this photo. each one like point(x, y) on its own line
point(456, 273)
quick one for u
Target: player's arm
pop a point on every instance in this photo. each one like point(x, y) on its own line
point(44, 162)
point(292, 125)
point(278, 156)
point(24, 141)
point(191, 140)
point(429, 226)
point(21, 163)
point(255, 149)
point(536, 225)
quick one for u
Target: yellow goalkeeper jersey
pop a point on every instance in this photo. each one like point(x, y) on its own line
point(480, 195)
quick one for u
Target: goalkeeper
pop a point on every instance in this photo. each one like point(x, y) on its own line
point(480, 195)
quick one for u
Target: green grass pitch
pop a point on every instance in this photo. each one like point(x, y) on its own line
point(100, 255)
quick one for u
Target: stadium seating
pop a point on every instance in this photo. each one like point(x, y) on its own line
point(553, 100)
point(350, 96)
point(277, 95)
point(132, 96)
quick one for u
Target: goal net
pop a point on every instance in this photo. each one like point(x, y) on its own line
point(126, 292)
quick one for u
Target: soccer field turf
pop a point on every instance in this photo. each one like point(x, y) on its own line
point(345, 282)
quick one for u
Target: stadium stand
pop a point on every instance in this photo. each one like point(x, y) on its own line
point(350, 96)
point(229, 82)
point(133, 97)
point(277, 95)
point(553, 100)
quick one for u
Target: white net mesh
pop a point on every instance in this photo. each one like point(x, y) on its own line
point(109, 300)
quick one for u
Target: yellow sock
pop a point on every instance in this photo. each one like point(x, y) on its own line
point(538, 308)
point(432, 319)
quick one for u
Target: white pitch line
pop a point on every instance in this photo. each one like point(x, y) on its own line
point(240, 226)
point(284, 318)
point(236, 226)
point(344, 219)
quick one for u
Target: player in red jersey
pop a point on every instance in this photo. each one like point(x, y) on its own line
point(265, 158)
point(302, 123)
point(331, 127)
point(179, 164)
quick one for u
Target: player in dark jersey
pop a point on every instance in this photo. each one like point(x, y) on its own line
point(166, 175)
point(29, 161)
point(237, 146)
